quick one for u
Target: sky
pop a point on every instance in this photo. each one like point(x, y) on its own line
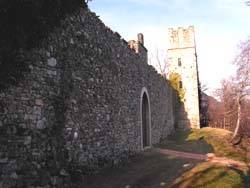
point(220, 25)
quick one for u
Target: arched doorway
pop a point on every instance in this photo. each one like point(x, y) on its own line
point(145, 119)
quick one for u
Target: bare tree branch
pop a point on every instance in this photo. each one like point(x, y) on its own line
point(160, 60)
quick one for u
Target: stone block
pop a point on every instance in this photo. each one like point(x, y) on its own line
point(52, 62)
point(41, 124)
point(39, 102)
point(27, 140)
point(37, 110)
point(4, 160)
point(51, 72)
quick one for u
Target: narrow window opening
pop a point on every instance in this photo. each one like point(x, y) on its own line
point(145, 122)
point(179, 62)
point(180, 84)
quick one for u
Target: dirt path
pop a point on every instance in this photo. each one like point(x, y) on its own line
point(181, 154)
point(210, 157)
point(155, 168)
point(150, 169)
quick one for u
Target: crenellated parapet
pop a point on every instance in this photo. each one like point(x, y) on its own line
point(182, 37)
point(138, 47)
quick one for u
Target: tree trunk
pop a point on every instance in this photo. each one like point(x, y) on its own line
point(224, 122)
point(238, 119)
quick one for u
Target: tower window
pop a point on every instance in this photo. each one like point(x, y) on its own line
point(179, 62)
point(180, 84)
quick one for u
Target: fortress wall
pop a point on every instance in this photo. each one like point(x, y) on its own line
point(78, 109)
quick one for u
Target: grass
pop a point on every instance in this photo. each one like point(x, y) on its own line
point(208, 140)
point(179, 141)
point(219, 140)
point(209, 175)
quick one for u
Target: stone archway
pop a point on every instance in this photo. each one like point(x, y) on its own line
point(145, 119)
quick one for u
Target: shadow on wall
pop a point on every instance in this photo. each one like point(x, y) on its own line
point(32, 115)
point(26, 24)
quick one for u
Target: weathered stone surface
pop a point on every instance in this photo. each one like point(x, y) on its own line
point(27, 140)
point(80, 111)
point(39, 102)
point(41, 124)
point(52, 62)
point(5, 160)
point(183, 49)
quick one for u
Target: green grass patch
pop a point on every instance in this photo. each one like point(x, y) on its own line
point(208, 140)
point(219, 140)
point(210, 176)
point(179, 141)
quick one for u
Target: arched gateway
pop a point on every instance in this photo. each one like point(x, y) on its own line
point(145, 119)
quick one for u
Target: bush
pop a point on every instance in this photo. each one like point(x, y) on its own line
point(175, 80)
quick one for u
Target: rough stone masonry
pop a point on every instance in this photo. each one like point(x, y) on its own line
point(79, 107)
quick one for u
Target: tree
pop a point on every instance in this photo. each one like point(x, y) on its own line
point(160, 60)
point(242, 80)
point(215, 112)
point(203, 104)
point(234, 95)
point(225, 111)
point(176, 83)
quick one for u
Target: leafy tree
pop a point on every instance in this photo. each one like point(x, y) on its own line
point(176, 83)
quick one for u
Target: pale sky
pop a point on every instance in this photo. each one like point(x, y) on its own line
point(219, 25)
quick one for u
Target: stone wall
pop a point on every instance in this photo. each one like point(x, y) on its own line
point(78, 109)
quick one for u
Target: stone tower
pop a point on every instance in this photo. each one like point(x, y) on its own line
point(183, 60)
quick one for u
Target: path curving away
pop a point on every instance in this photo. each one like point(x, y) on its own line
point(210, 157)
point(181, 154)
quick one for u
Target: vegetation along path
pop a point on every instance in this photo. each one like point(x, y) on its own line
point(184, 159)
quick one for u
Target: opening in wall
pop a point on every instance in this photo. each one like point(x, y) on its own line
point(180, 85)
point(145, 119)
point(179, 62)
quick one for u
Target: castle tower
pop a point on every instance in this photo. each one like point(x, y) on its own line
point(183, 61)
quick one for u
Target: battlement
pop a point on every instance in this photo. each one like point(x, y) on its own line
point(138, 46)
point(181, 37)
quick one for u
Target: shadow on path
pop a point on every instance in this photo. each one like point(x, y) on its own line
point(150, 169)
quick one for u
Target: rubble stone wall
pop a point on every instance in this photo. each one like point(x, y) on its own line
point(78, 109)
